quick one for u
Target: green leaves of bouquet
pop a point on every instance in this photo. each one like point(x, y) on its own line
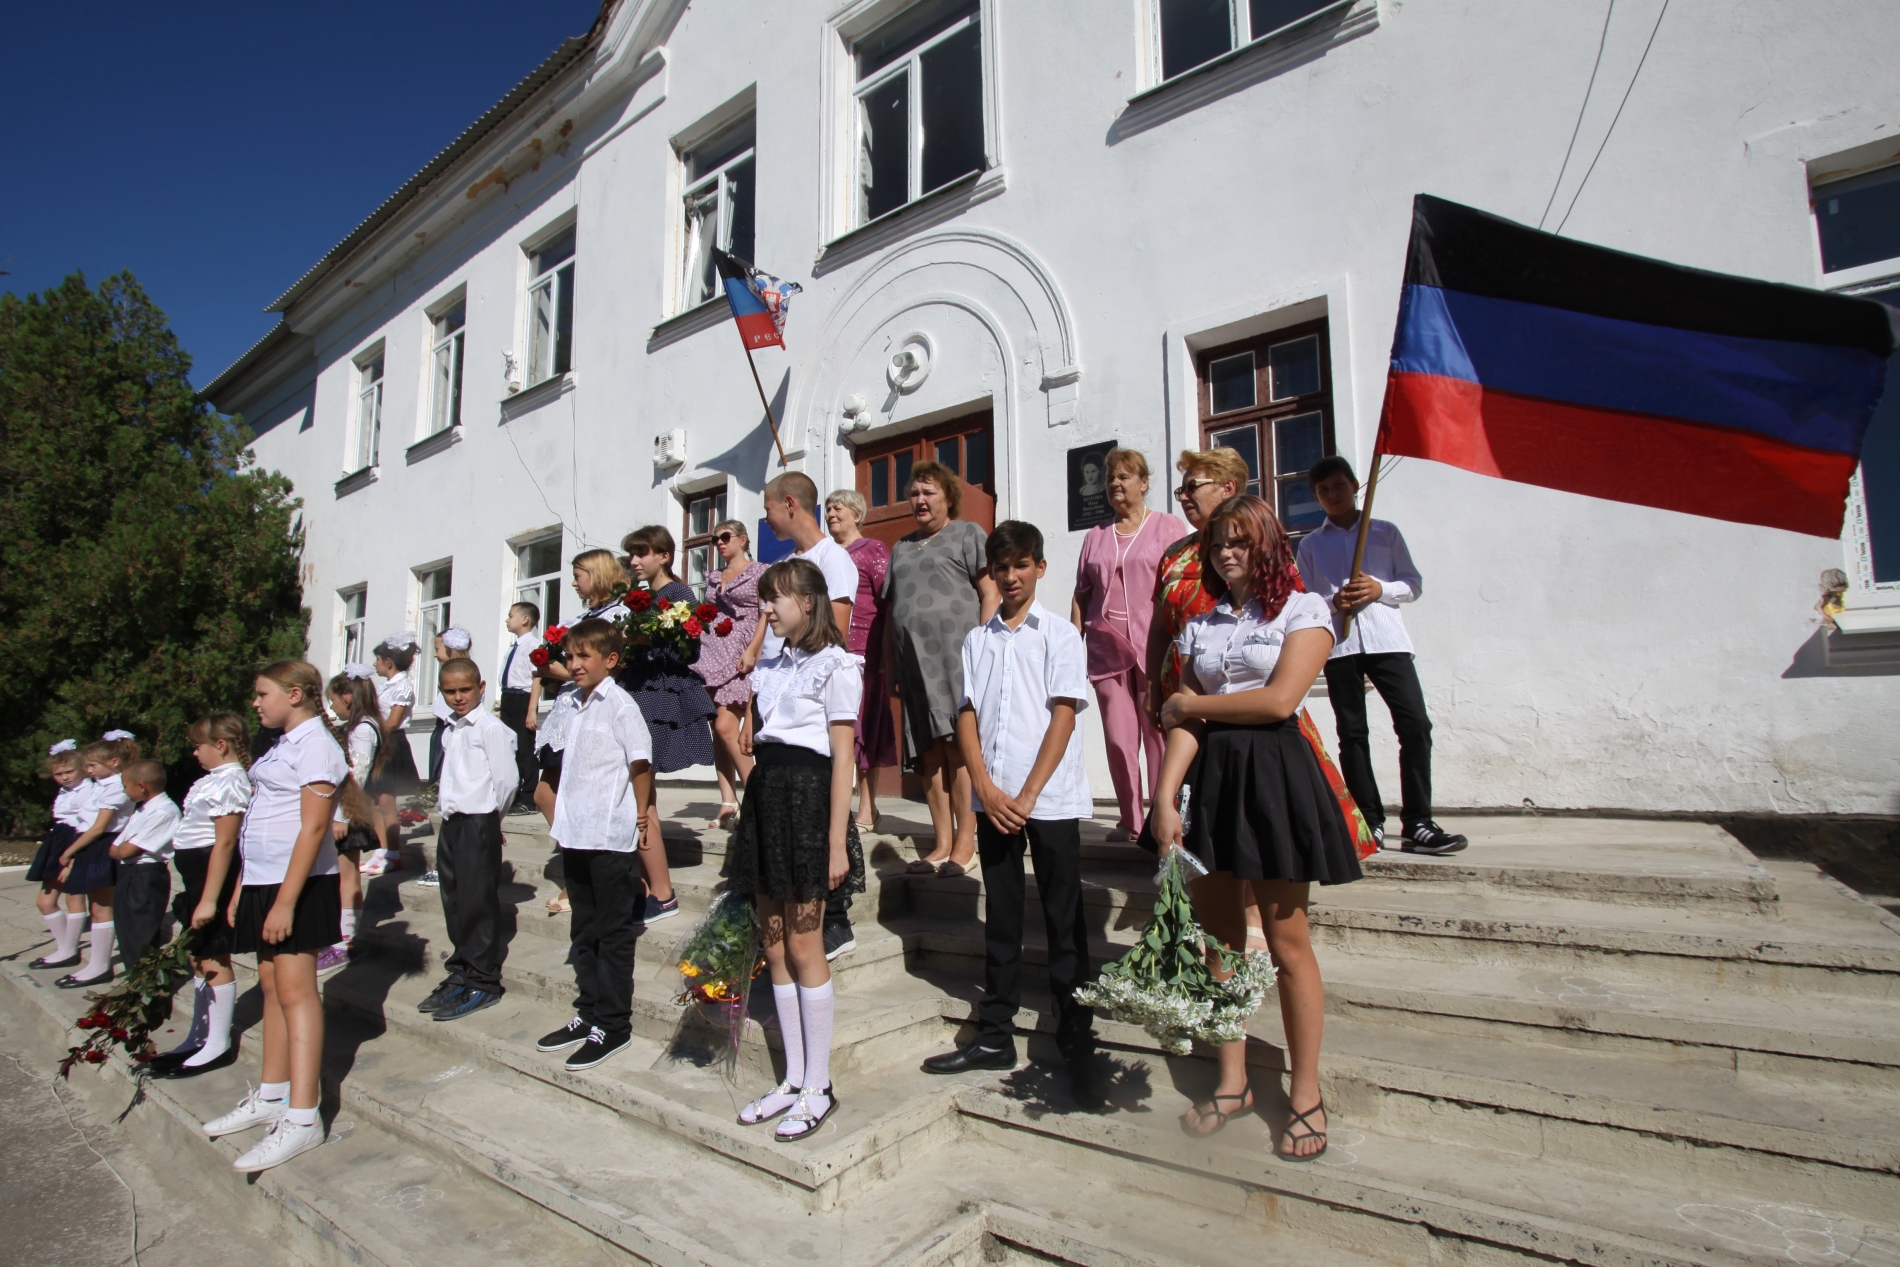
point(136, 1005)
point(1165, 984)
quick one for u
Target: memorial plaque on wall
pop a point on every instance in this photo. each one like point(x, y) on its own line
point(1088, 486)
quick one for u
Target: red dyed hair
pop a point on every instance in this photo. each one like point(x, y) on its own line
point(1270, 550)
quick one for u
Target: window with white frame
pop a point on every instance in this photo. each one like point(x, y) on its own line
point(354, 603)
point(1190, 33)
point(551, 308)
point(919, 104)
point(719, 178)
point(445, 368)
point(369, 411)
point(1858, 219)
point(433, 585)
point(538, 576)
point(1875, 521)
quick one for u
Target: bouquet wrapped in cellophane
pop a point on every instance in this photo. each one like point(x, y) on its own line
point(718, 961)
point(1165, 984)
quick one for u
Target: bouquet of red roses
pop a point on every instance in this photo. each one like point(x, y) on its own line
point(550, 651)
point(676, 625)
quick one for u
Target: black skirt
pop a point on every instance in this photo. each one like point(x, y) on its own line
point(781, 847)
point(398, 777)
point(93, 867)
point(316, 922)
point(214, 938)
point(45, 868)
point(355, 841)
point(1262, 809)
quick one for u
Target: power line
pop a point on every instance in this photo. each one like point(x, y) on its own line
point(1602, 39)
point(1618, 115)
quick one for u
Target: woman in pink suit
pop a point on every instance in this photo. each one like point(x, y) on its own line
point(1114, 587)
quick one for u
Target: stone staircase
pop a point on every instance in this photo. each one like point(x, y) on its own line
point(1583, 1040)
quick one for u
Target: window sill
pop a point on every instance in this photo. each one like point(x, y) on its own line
point(541, 393)
point(355, 480)
point(446, 438)
point(1878, 275)
point(933, 208)
point(703, 316)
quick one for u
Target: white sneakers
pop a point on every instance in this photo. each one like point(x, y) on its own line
point(251, 1111)
point(285, 1141)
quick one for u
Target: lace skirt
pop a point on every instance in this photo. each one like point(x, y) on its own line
point(781, 847)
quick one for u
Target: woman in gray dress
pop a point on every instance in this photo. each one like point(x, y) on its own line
point(938, 589)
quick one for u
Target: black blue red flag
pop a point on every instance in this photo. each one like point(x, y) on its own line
point(759, 301)
point(1536, 358)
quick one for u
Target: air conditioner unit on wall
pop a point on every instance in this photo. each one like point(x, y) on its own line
point(669, 447)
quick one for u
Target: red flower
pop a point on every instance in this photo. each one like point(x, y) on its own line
point(724, 626)
point(705, 612)
point(118, 1034)
point(639, 600)
point(692, 627)
point(96, 1057)
point(556, 633)
point(145, 1055)
point(539, 656)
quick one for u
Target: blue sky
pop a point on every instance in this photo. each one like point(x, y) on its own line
point(217, 150)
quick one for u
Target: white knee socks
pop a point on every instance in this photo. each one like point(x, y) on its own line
point(56, 925)
point(200, 1006)
point(789, 1028)
point(99, 957)
point(349, 922)
point(814, 1009)
point(217, 1023)
point(68, 934)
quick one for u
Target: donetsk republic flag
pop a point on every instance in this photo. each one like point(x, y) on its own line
point(1539, 359)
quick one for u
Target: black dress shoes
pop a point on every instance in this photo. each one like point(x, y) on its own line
point(71, 982)
point(70, 961)
point(181, 1070)
point(166, 1059)
point(964, 1059)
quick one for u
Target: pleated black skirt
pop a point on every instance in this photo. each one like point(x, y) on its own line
point(45, 868)
point(398, 777)
point(214, 938)
point(316, 922)
point(1262, 810)
point(93, 867)
point(781, 847)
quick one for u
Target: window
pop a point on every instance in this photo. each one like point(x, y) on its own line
point(369, 411)
point(355, 604)
point(1876, 521)
point(965, 445)
point(538, 576)
point(1194, 32)
point(919, 100)
point(551, 309)
point(432, 617)
point(1270, 400)
point(703, 513)
point(719, 202)
point(1858, 219)
point(445, 391)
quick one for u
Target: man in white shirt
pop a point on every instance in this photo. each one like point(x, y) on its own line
point(517, 683)
point(1025, 677)
point(1376, 647)
point(477, 781)
point(140, 902)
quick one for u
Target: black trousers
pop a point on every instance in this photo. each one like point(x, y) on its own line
point(141, 909)
point(1396, 680)
point(1055, 850)
point(603, 887)
point(468, 863)
point(514, 715)
point(435, 751)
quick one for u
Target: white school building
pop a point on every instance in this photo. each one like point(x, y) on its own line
point(1028, 227)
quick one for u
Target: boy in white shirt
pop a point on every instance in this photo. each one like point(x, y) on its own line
point(516, 703)
point(478, 783)
point(606, 776)
point(1025, 677)
point(143, 852)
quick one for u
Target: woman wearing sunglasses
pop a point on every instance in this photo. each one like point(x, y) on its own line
point(734, 590)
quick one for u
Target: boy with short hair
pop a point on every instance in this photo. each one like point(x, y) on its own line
point(517, 686)
point(606, 777)
point(1025, 677)
point(143, 851)
point(1376, 647)
point(477, 785)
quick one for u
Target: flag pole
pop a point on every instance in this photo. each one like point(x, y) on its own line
point(773, 423)
point(1365, 522)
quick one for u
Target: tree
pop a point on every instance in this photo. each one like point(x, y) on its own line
point(146, 566)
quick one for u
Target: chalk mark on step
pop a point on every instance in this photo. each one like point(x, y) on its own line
point(1799, 1234)
point(453, 1071)
point(1581, 989)
point(1339, 1149)
point(409, 1199)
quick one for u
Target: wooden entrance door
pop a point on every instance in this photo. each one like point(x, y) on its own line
point(965, 445)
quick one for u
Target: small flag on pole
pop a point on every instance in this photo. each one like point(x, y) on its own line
point(758, 300)
point(1536, 358)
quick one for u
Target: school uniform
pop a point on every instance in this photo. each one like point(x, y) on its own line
point(479, 779)
point(517, 680)
point(69, 819)
point(1011, 678)
point(398, 776)
point(94, 866)
point(597, 825)
point(441, 711)
point(360, 746)
point(306, 754)
point(221, 792)
point(145, 880)
point(550, 738)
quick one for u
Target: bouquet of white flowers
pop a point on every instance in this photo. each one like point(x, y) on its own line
point(1165, 984)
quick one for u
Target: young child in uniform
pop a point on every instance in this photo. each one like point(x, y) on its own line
point(288, 910)
point(396, 696)
point(62, 766)
point(360, 734)
point(606, 780)
point(87, 872)
point(144, 852)
point(1025, 677)
point(205, 853)
point(795, 841)
point(478, 784)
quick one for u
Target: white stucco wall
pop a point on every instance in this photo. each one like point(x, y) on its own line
point(1575, 652)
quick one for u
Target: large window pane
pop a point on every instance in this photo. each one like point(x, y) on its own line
point(540, 330)
point(1859, 219)
point(739, 214)
point(976, 466)
point(1880, 473)
point(953, 108)
point(540, 558)
point(1268, 16)
point(914, 26)
point(884, 148)
point(554, 252)
point(702, 231)
point(1299, 510)
point(881, 482)
point(1192, 32)
point(947, 454)
point(1244, 440)
point(904, 462)
point(1294, 367)
point(564, 322)
point(1298, 442)
point(1230, 383)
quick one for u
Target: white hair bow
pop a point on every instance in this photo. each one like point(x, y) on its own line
point(354, 670)
point(118, 734)
point(407, 638)
point(64, 745)
point(455, 638)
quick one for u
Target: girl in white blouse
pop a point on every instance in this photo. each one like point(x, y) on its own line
point(396, 698)
point(1262, 813)
point(205, 853)
point(353, 700)
point(287, 910)
point(795, 840)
